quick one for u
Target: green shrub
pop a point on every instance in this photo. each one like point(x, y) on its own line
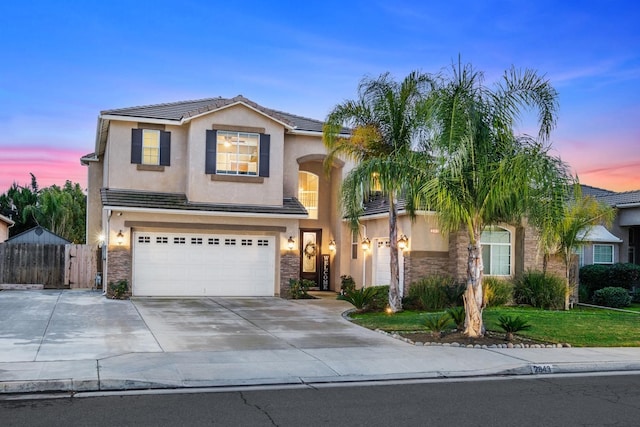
point(511, 325)
point(457, 314)
point(362, 298)
point(381, 298)
point(119, 290)
point(496, 291)
point(598, 276)
point(298, 288)
point(623, 275)
point(612, 297)
point(540, 290)
point(437, 323)
point(347, 283)
point(454, 292)
point(433, 292)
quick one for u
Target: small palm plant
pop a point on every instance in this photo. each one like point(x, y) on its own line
point(437, 323)
point(361, 298)
point(457, 315)
point(511, 325)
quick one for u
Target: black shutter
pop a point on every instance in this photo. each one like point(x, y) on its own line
point(136, 146)
point(265, 145)
point(165, 148)
point(210, 152)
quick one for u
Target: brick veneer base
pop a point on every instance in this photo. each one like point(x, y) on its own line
point(289, 269)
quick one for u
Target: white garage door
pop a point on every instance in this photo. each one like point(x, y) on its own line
point(382, 263)
point(185, 264)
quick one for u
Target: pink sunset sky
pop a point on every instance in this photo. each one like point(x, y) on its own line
point(62, 66)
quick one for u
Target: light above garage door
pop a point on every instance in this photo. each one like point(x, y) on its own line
point(185, 264)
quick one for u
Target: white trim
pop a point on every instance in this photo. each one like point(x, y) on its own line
point(294, 131)
point(7, 220)
point(203, 213)
point(613, 253)
point(141, 120)
point(628, 205)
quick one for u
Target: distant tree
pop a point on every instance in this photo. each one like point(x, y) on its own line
point(61, 210)
point(20, 204)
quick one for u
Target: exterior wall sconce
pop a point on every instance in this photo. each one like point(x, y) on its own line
point(403, 242)
point(291, 244)
point(101, 240)
point(120, 238)
point(366, 244)
point(332, 245)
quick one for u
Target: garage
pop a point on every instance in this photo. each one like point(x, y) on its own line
point(188, 264)
point(382, 263)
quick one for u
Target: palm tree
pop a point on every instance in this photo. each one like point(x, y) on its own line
point(561, 233)
point(485, 174)
point(384, 123)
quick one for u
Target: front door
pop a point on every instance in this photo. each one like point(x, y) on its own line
point(310, 254)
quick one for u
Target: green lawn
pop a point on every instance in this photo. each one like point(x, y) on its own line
point(580, 327)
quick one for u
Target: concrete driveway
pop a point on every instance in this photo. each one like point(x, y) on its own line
point(73, 325)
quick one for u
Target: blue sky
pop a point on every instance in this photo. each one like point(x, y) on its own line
point(64, 61)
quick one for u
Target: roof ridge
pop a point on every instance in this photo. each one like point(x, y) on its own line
point(167, 104)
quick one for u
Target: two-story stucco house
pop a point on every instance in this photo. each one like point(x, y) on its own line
point(225, 197)
point(212, 197)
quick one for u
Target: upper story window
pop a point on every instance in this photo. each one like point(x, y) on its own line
point(237, 153)
point(603, 254)
point(308, 192)
point(150, 147)
point(496, 251)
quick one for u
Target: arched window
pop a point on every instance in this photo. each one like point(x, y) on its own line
point(308, 192)
point(496, 251)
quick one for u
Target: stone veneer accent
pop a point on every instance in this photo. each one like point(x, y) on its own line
point(418, 264)
point(119, 264)
point(458, 255)
point(289, 269)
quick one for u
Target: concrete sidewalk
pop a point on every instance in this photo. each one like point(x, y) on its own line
point(80, 341)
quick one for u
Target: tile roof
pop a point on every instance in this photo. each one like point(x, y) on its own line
point(183, 110)
point(379, 204)
point(179, 201)
point(611, 197)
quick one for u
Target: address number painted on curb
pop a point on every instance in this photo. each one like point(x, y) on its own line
point(541, 369)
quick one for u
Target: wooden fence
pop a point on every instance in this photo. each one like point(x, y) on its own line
point(54, 266)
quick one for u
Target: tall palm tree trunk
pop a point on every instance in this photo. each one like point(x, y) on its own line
point(395, 302)
point(473, 298)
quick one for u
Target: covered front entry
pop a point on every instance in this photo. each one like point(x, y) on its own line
point(310, 244)
point(190, 264)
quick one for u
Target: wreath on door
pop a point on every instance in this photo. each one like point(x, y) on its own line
point(310, 250)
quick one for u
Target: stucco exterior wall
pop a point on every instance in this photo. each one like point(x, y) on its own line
point(201, 188)
point(94, 203)
point(122, 174)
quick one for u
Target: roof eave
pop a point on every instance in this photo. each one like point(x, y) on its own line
point(205, 213)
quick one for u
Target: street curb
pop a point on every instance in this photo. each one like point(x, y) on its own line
point(529, 369)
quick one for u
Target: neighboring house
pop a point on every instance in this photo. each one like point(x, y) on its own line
point(625, 228)
point(39, 235)
point(225, 197)
point(5, 225)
